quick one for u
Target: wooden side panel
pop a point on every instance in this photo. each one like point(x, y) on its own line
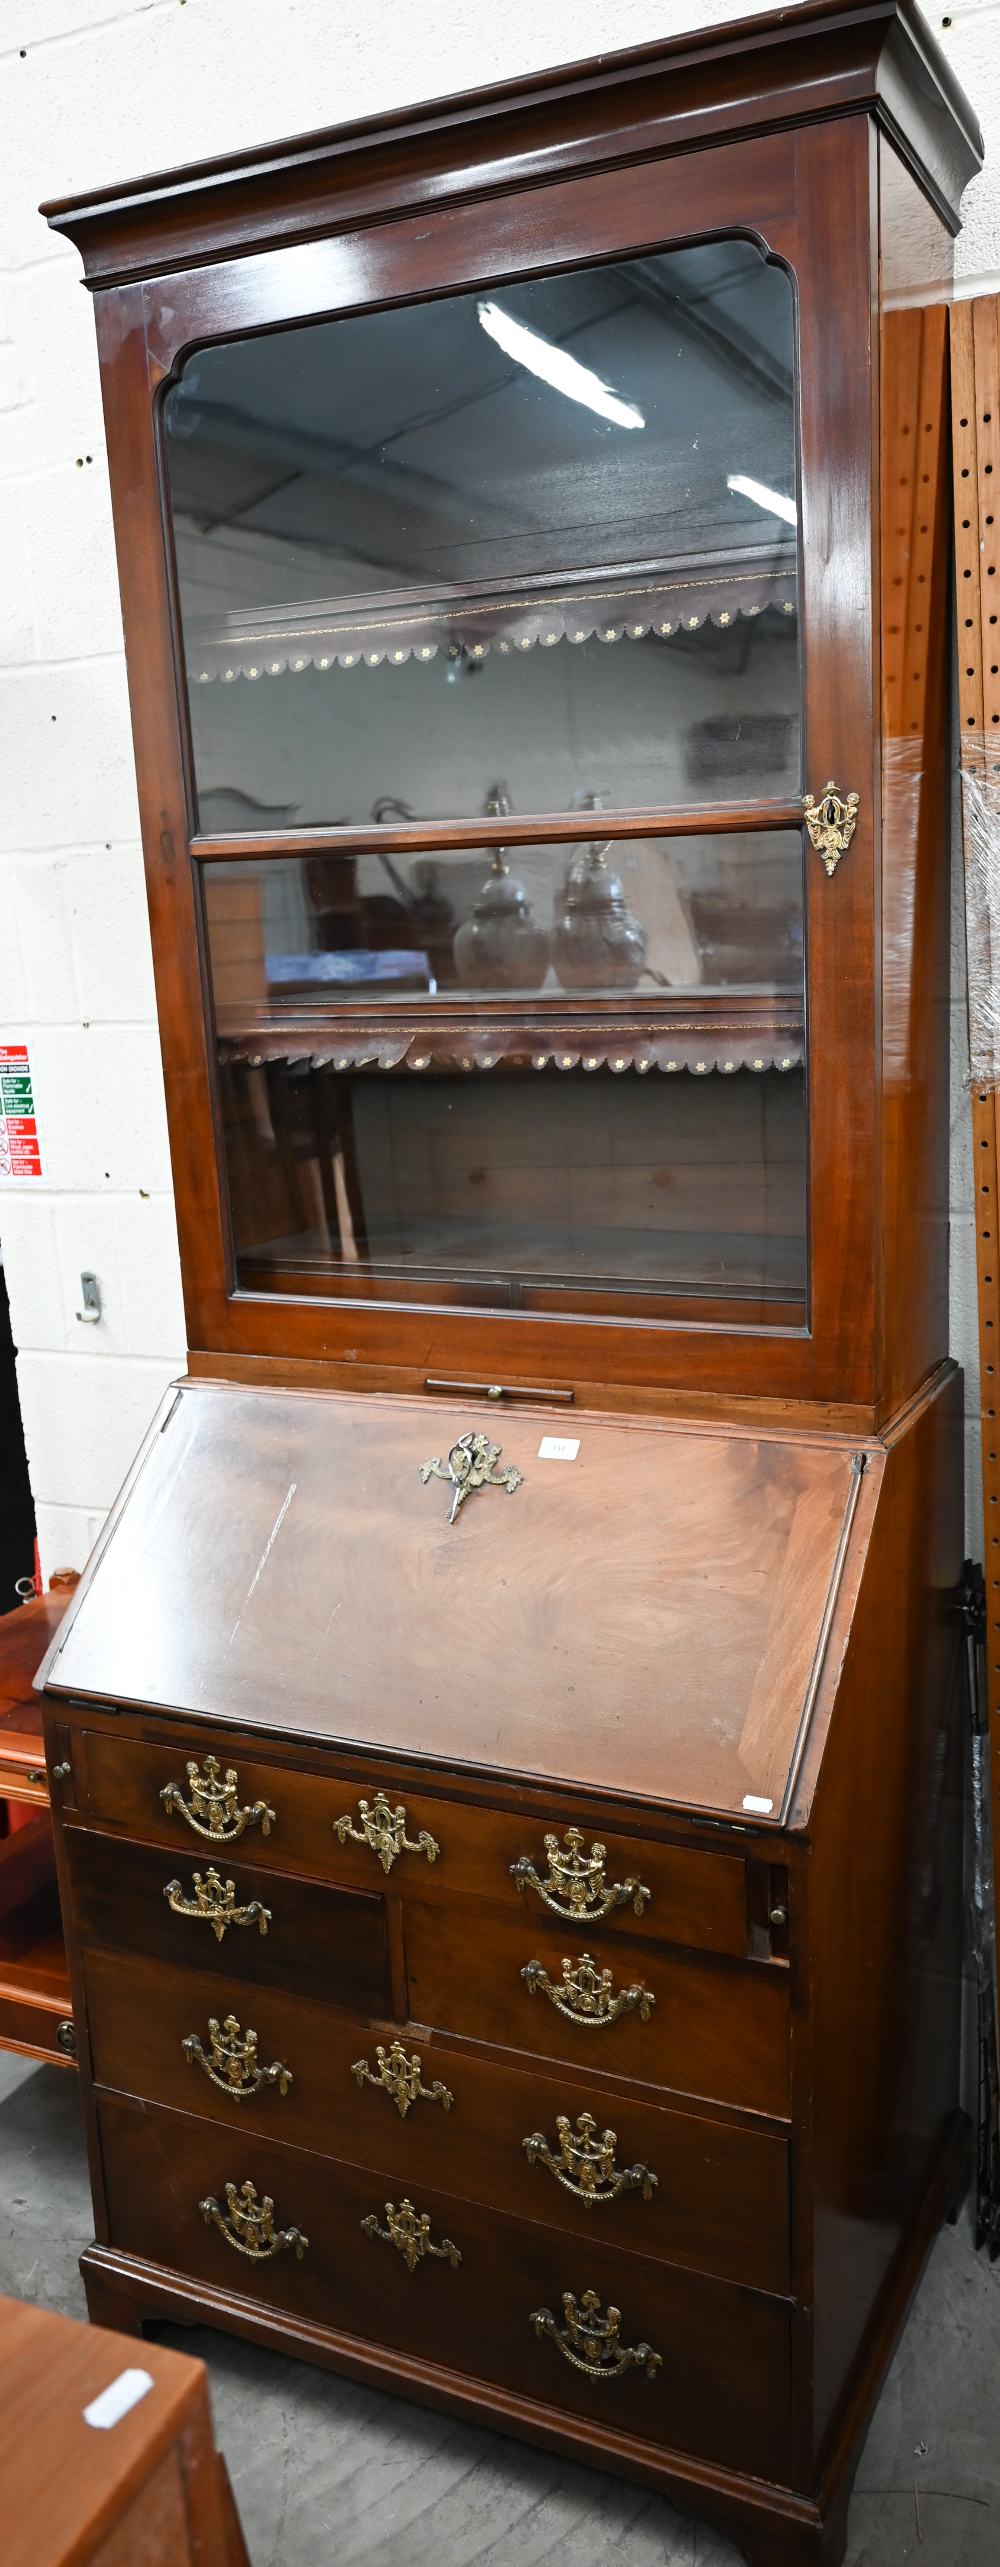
point(916, 260)
point(885, 1895)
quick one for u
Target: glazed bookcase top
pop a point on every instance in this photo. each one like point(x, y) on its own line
point(788, 65)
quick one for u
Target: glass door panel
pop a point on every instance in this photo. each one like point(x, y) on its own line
point(545, 532)
point(532, 1078)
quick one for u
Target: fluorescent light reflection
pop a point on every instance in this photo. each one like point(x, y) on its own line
point(763, 497)
point(563, 372)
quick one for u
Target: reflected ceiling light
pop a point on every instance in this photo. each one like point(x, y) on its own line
point(763, 497)
point(564, 373)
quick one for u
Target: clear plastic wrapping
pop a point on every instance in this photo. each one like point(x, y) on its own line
point(980, 771)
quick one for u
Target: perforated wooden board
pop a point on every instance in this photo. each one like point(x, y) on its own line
point(975, 387)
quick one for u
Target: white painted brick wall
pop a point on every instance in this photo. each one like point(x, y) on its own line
point(93, 90)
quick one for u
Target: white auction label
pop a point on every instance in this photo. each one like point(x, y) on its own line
point(558, 1448)
point(118, 2399)
point(751, 1801)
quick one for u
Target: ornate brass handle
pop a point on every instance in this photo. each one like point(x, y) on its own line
point(575, 1884)
point(231, 2061)
point(400, 2077)
point(410, 2231)
point(213, 1809)
point(587, 1994)
point(248, 2224)
point(831, 823)
point(585, 2164)
point(384, 1829)
point(593, 2343)
point(215, 1902)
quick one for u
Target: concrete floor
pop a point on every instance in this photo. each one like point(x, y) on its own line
point(331, 2475)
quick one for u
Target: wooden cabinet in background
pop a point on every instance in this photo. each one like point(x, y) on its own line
point(508, 1737)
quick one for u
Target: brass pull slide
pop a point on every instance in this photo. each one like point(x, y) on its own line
point(231, 2061)
point(593, 2343)
point(213, 1809)
point(584, 2163)
point(248, 2225)
point(384, 1829)
point(575, 1883)
point(586, 1994)
point(214, 1901)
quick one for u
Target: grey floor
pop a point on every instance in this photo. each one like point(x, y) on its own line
point(331, 2475)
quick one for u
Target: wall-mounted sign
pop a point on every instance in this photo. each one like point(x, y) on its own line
point(20, 1155)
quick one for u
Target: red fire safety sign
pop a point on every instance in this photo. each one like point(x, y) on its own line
point(20, 1155)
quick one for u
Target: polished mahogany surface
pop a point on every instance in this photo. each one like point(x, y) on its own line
point(701, 1563)
point(152, 2486)
point(541, 1931)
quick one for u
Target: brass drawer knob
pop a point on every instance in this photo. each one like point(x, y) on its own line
point(584, 2162)
point(214, 1901)
point(401, 2078)
point(592, 2343)
point(384, 1829)
point(410, 2231)
point(214, 1809)
point(231, 2061)
point(586, 1994)
point(247, 2224)
point(575, 1884)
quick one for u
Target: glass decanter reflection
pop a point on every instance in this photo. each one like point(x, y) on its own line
point(598, 942)
point(502, 947)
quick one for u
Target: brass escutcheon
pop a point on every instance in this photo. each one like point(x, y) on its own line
point(472, 1464)
point(384, 1829)
point(831, 823)
point(400, 2076)
point(410, 2231)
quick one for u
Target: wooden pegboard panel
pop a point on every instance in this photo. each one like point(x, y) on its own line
point(975, 386)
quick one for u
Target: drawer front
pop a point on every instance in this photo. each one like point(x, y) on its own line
point(698, 2027)
point(683, 1894)
point(721, 2387)
point(703, 2194)
point(285, 1933)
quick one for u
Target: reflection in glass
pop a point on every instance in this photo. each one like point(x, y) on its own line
point(634, 1147)
point(548, 532)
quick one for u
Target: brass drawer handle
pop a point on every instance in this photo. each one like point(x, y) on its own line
point(248, 2224)
point(575, 1884)
point(231, 2061)
point(400, 2077)
point(384, 1829)
point(213, 1809)
point(215, 1902)
point(587, 1994)
point(593, 2343)
point(584, 2163)
point(410, 2231)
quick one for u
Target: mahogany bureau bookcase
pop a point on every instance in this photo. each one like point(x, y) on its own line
point(505, 1745)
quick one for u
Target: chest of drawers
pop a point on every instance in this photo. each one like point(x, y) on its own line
point(590, 2109)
